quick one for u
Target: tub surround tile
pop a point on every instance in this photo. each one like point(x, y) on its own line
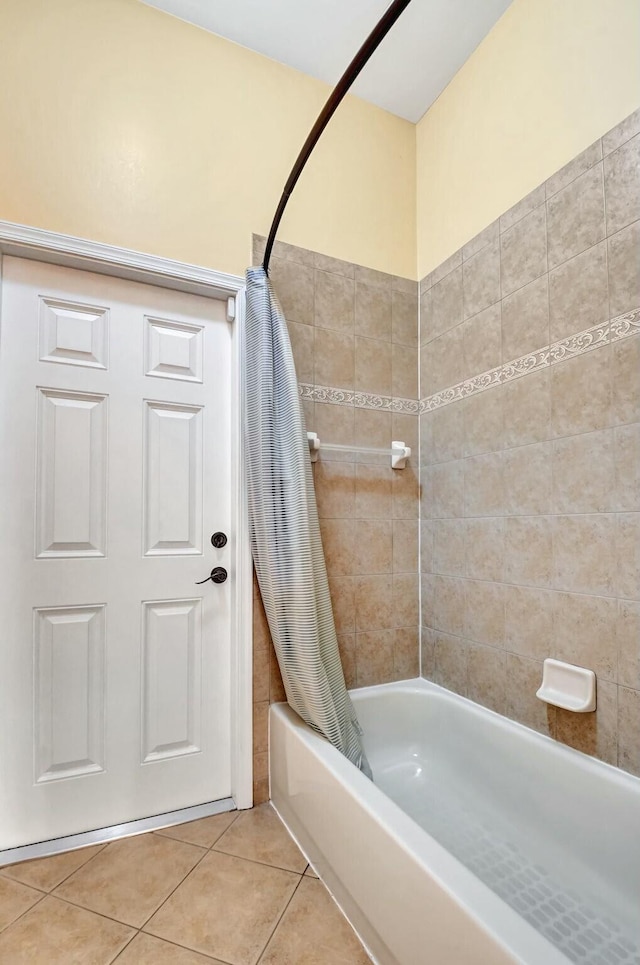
point(628, 643)
point(529, 622)
point(335, 485)
point(594, 733)
point(445, 306)
point(372, 366)
point(622, 185)
point(374, 278)
point(481, 279)
point(484, 614)
point(484, 422)
point(627, 468)
point(373, 312)
point(626, 384)
point(584, 632)
point(448, 605)
point(628, 555)
point(446, 483)
point(485, 548)
point(373, 492)
point(373, 546)
point(450, 663)
point(624, 269)
point(581, 393)
point(404, 318)
point(528, 550)
point(584, 553)
point(405, 494)
point(482, 341)
point(527, 409)
point(374, 602)
point(339, 544)
point(302, 338)
point(528, 480)
point(487, 677)
point(525, 319)
point(406, 602)
point(405, 545)
point(583, 470)
point(260, 726)
point(579, 293)
point(444, 363)
point(617, 136)
point(447, 433)
point(334, 265)
point(575, 217)
point(347, 648)
point(524, 251)
point(485, 237)
point(404, 372)
point(406, 654)
point(574, 169)
point(484, 485)
point(343, 601)
point(629, 730)
point(374, 657)
point(524, 677)
point(334, 359)
point(446, 267)
point(334, 303)
point(449, 539)
point(293, 284)
point(523, 207)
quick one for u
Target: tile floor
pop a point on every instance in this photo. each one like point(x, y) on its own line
point(231, 889)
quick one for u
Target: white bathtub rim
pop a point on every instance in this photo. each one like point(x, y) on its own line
point(477, 900)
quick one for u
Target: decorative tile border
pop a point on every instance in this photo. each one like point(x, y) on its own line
point(360, 400)
point(618, 328)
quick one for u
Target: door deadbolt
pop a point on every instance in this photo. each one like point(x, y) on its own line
point(218, 575)
point(219, 540)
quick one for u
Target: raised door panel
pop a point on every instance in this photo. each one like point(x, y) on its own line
point(173, 350)
point(73, 334)
point(69, 697)
point(172, 480)
point(171, 679)
point(71, 474)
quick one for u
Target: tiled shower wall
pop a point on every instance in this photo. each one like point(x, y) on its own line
point(354, 333)
point(530, 452)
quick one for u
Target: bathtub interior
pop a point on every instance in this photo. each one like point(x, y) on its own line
point(553, 833)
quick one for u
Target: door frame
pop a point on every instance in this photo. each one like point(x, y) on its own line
point(22, 241)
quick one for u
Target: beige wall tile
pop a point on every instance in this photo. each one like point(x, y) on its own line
point(405, 545)
point(584, 553)
point(523, 207)
point(445, 306)
point(294, 286)
point(449, 547)
point(583, 473)
point(524, 677)
point(347, 648)
point(482, 341)
point(406, 600)
point(487, 676)
point(301, 337)
point(484, 422)
point(626, 384)
point(529, 622)
point(447, 432)
point(624, 270)
point(484, 485)
point(621, 132)
point(581, 393)
point(488, 235)
point(334, 359)
point(448, 605)
point(343, 601)
point(405, 428)
point(525, 319)
point(260, 675)
point(485, 541)
point(528, 550)
point(426, 439)
point(447, 489)
point(584, 631)
point(628, 641)
point(276, 685)
point(373, 312)
point(628, 555)
point(335, 486)
point(334, 423)
point(339, 544)
point(579, 293)
point(481, 279)
point(404, 372)
point(374, 603)
point(595, 733)
point(373, 492)
point(527, 480)
point(370, 276)
point(405, 286)
point(447, 266)
point(373, 428)
point(575, 217)
point(426, 545)
point(622, 185)
point(334, 265)
point(450, 663)
point(404, 318)
point(374, 657)
point(485, 613)
point(406, 653)
point(427, 650)
point(523, 251)
point(260, 728)
point(405, 493)
point(425, 325)
point(577, 166)
point(443, 361)
point(334, 302)
point(527, 409)
point(373, 366)
point(373, 546)
point(629, 730)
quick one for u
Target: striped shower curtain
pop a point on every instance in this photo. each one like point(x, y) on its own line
point(285, 535)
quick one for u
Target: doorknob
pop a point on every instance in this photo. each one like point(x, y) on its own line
point(218, 575)
point(219, 540)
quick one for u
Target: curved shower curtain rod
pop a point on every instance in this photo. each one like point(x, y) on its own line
point(372, 42)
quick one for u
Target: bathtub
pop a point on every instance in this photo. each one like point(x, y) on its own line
point(481, 842)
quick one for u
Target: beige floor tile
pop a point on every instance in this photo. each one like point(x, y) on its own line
point(226, 908)
point(260, 835)
point(204, 832)
point(15, 899)
point(313, 931)
point(56, 933)
point(46, 873)
point(147, 950)
point(309, 872)
point(130, 878)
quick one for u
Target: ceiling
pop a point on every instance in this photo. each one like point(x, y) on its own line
point(416, 61)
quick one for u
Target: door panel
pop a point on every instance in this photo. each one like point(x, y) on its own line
point(115, 666)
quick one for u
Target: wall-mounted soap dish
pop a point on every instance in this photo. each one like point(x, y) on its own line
point(567, 686)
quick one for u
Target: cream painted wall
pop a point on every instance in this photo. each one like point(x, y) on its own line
point(547, 81)
point(124, 125)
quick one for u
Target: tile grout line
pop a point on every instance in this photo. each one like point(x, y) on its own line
point(275, 927)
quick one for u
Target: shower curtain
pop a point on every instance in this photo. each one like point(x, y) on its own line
point(285, 535)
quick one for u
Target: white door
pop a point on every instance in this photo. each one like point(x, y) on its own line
point(115, 473)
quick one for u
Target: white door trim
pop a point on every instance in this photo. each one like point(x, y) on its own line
point(22, 241)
